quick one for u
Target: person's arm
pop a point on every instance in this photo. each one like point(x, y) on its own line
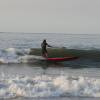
point(49, 45)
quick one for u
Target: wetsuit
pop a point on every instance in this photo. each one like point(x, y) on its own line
point(44, 50)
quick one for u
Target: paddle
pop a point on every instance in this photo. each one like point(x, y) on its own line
point(57, 47)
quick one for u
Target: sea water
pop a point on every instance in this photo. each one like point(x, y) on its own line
point(72, 80)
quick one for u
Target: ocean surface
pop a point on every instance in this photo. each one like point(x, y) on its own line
point(24, 77)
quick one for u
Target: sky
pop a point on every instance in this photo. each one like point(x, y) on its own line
point(50, 16)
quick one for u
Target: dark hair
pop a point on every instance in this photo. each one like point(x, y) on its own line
point(44, 40)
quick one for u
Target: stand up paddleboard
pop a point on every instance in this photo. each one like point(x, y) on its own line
point(61, 59)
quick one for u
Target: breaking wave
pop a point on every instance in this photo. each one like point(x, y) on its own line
point(13, 55)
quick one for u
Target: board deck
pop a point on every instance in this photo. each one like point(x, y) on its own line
point(61, 59)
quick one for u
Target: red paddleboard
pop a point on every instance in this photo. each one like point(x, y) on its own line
point(61, 59)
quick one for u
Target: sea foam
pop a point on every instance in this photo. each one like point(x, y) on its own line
point(48, 86)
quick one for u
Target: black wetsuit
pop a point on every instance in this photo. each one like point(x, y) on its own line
point(43, 45)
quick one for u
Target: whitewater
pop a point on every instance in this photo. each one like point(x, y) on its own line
point(46, 86)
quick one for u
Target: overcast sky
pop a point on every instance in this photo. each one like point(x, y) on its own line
point(50, 16)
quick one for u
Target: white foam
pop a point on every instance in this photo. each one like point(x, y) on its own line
point(12, 55)
point(30, 58)
point(47, 86)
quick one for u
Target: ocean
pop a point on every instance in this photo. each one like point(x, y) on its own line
point(23, 76)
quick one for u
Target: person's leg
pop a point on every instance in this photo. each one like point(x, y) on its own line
point(43, 53)
point(46, 55)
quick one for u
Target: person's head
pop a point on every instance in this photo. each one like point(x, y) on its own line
point(44, 40)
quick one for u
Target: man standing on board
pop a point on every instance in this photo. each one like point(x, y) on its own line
point(44, 44)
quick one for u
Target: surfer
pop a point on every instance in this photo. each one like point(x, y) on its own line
point(44, 44)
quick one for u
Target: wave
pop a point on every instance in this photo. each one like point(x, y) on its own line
point(13, 55)
point(92, 54)
point(58, 86)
